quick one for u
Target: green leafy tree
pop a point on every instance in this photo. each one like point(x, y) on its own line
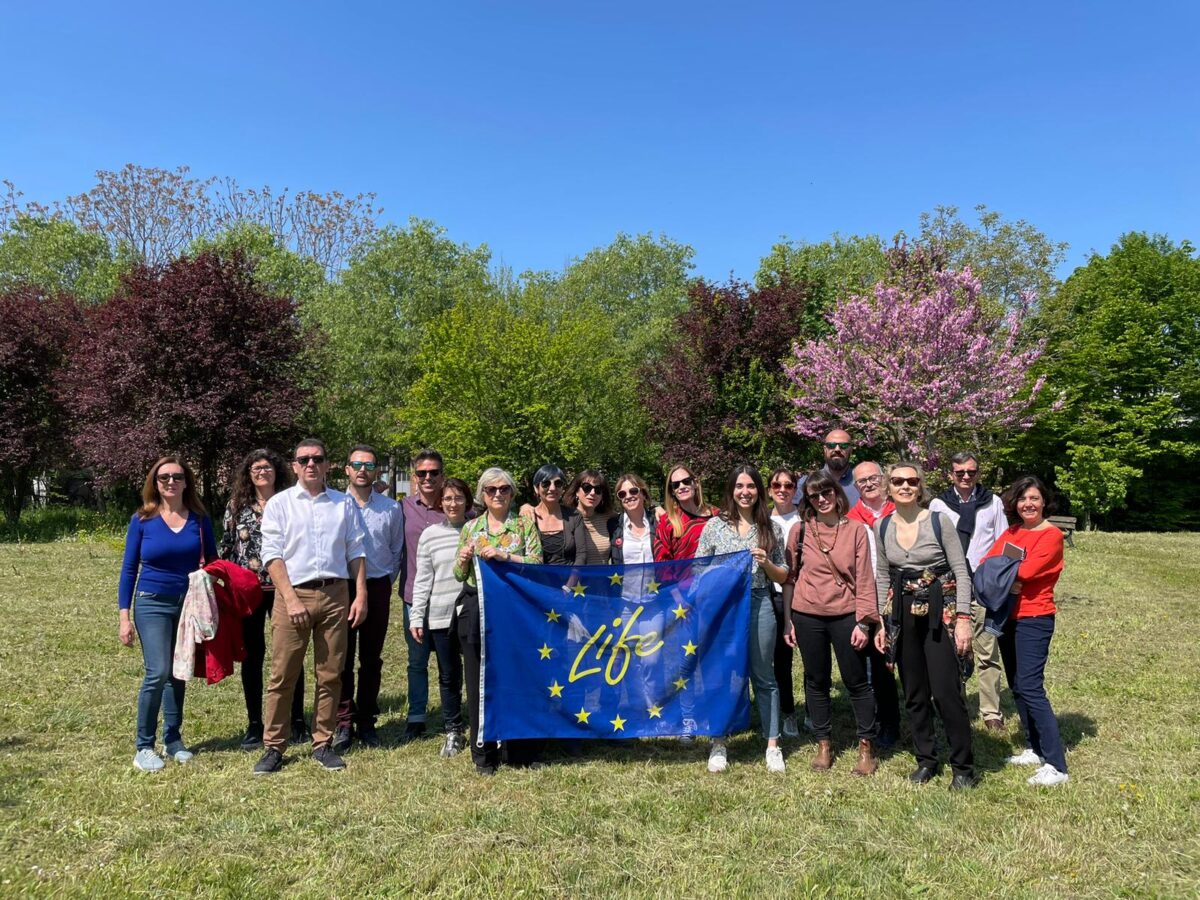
point(374, 320)
point(58, 256)
point(1122, 364)
point(277, 270)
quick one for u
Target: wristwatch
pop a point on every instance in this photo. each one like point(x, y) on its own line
point(863, 627)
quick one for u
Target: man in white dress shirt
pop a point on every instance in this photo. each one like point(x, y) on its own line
point(979, 520)
point(312, 543)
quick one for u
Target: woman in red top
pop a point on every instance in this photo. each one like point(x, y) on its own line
point(678, 531)
point(1025, 643)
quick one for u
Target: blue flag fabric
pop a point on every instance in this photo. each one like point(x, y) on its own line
point(615, 651)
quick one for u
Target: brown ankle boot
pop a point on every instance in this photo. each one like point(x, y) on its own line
point(824, 758)
point(867, 763)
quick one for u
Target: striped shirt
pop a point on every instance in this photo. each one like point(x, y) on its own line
point(435, 588)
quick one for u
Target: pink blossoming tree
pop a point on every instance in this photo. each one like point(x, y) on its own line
point(918, 367)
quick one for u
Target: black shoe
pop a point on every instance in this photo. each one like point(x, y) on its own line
point(271, 762)
point(887, 739)
point(412, 731)
point(368, 736)
point(327, 758)
point(923, 774)
point(254, 736)
point(485, 770)
point(300, 732)
point(341, 739)
point(964, 782)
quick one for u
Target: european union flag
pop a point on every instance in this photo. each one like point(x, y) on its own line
point(615, 651)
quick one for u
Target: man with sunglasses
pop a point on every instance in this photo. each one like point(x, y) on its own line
point(837, 447)
point(979, 520)
point(312, 544)
point(421, 508)
point(383, 524)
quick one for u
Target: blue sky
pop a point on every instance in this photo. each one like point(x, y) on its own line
point(544, 128)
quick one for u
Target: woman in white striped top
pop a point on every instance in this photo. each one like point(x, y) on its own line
point(435, 591)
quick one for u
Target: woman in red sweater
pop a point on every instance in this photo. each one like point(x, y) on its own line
point(1025, 643)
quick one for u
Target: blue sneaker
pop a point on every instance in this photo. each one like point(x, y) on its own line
point(179, 753)
point(148, 761)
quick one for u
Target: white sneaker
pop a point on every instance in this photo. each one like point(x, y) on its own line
point(148, 761)
point(774, 760)
point(718, 759)
point(179, 753)
point(789, 727)
point(1026, 758)
point(1048, 776)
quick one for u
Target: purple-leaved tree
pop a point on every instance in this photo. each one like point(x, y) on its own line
point(918, 367)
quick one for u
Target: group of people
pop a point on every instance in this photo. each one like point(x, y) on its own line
point(853, 564)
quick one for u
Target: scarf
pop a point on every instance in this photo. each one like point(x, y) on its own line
point(966, 509)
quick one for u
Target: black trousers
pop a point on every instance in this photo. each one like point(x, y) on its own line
point(815, 635)
point(783, 659)
point(929, 672)
point(483, 754)
point(252, 667)
point(887, 701)
point(450, 677)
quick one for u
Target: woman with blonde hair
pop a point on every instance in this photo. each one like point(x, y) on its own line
point(678, 531)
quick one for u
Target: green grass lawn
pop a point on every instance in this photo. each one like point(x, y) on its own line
point(634, 819)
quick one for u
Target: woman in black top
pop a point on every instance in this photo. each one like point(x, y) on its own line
point(560, 527)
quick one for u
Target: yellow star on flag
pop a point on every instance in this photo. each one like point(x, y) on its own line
point(578, 590)
point(552, 616)
point(555, 689)
point(681, 683)
point(582, 716)
point(614, 578)
point(655, 712)
point(544, 651)
point(689, 649)
point(618, 723)
point(652, 586)
point(680, 611)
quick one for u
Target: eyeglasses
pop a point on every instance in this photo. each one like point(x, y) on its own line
point(168, 477)
point(453, 499)
point(827, 493)
point(911, 482)
point(316, 459)
point(965, 473)
point(589, 488)
point(493, 490)
point(427, 474)
point(682, 482)
point(555, 483)
point(869, 479)
point(782, 486)
point(358, 465)
point(629, 494)
point(835, 445)
point(261, 470)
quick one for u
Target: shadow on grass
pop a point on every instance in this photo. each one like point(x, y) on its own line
point(1074, 727)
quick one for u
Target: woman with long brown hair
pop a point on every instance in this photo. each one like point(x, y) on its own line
point(260, 476)
point(745, 524)
point(169, 537)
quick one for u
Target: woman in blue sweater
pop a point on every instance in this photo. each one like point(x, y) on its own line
point(169, 537)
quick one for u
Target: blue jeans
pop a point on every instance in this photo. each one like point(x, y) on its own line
point(762, 661)
point(156, 618)
point(418, 670)
point(1025, 647)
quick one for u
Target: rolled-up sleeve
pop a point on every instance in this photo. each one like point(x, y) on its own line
point(272, 529)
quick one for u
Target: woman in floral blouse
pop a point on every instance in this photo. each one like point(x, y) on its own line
point(261, 474)
point(498, 534)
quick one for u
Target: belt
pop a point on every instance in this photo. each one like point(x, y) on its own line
point(317, 583)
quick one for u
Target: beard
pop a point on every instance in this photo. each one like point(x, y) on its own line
point(837, 466)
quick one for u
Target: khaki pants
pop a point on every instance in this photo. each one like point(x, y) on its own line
point(988, 670)
point(327, 609)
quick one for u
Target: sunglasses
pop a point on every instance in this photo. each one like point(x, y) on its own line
point(316, 459)
point(358, 465)
point(493, 490)
point(911, 482)
point(168, 477)
point(965, 473)
point(632, 492)
point(683, 482)
point(828, 494)
point(425, 474)
point(837, 445)
point(556, 483)
point(783, 486)
point(591, 488)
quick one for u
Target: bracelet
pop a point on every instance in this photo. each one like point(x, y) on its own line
point(964, 617)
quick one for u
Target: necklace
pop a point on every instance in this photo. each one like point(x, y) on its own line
point(828, 550)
